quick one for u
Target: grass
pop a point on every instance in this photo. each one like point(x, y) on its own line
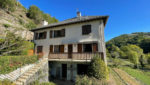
point(142, 76)
point(10, 63)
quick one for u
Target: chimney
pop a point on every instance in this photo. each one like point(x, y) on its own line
point(78, 14)
point(44, 23)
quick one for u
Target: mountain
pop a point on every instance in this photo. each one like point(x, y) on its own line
point(16, 18)
point(141, 39)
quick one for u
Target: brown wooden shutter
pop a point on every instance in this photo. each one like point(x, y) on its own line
point(39, 49)
point(95, 47)
point(79, 48)
point(36, 36)
point(51, 48)
point(61, 48)
point(51, 34)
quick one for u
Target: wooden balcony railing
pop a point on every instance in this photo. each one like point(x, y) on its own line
point(74, 56)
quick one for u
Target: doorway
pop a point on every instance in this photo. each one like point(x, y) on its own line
point(64, 71)
point(70, 51)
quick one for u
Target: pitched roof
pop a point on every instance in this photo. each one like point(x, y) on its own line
point(73, 21)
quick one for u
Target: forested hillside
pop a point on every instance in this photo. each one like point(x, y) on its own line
point(16, 18)
point(140, 39)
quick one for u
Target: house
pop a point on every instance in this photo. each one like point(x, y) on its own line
point(71, 44)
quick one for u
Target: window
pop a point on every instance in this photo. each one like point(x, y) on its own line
point(56, 48)
point(57, 33)
point(39, 49)
point(41, 35)
point(87, 47)
point(86, 29)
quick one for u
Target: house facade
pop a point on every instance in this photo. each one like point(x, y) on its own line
point(71, 44)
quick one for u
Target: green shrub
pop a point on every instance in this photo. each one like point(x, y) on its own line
point(6, 82)
point(21, 21)
point(6, 25)
point(117, 62)
point(8, 5)
point(98, 68)
point(148, 58)
point(10, 63)
point(43, 83)
point(30, 25)
point(85, 80)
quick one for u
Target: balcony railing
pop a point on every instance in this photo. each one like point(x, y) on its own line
point(73, 56)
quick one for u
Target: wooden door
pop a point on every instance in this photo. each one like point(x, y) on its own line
point(51, 48)
point(64, 71)
point(70, 51)
point(79, 48)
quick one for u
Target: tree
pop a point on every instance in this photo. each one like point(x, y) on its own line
point(35, 14)
point(134, 58)
point(145, 45)
point(98, 68)
point(11, 44)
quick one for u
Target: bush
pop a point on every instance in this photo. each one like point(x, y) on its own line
point(30, 25)
point(85, 80)
point(117, 62)
point(6, 82)
point(98, 68)
point(148, 58)
point(10, 63)
point(43, 83)
point(8, 5)
point(6, 25)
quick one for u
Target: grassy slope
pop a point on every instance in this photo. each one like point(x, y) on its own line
point(10, 63)
point(142, 76)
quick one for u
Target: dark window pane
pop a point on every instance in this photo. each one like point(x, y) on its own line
point(86, 29)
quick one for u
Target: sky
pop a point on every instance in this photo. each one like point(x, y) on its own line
point(125, 16)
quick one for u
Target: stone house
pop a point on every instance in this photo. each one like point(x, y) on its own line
point(71, 44)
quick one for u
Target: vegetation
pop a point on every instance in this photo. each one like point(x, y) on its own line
point(6, 82)
point(98, 68)
point(37, 15)
point(138, 74)
point(43, 83)
point(13, 45)
point(6, 25)
point(8, 5)
point(85, 80)
point(10, 63)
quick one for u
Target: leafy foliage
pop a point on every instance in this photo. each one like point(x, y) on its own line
point(98, 68)
point(9, 5)
point(6, 82)
point(10, 63)
point(13, 45)
point(85, 80)
point(140, 39)
point(37, 15)
point(44, 83)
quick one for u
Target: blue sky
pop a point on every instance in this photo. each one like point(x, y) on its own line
point(126, 16)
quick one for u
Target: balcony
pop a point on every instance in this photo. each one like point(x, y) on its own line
point(78, 57)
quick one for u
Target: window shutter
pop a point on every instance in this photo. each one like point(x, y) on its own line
point(79, 48)
point(95, 47)
point(51, 48)
point(61, 48)
point(51, 34)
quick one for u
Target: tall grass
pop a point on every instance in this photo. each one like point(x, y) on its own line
point(10, 63)
point(138, 74)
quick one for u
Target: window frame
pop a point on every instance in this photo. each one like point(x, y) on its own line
point(86, 29)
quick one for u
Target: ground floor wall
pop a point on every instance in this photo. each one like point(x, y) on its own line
point(65, 70)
